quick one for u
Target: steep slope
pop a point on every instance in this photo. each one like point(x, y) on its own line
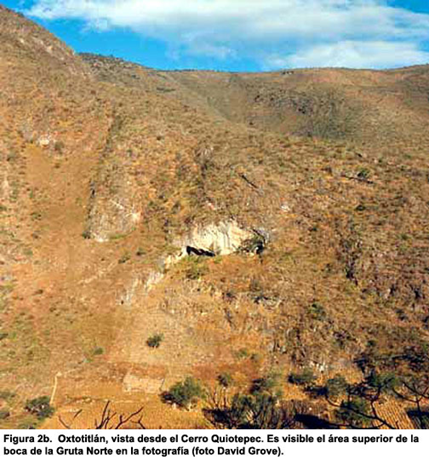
point(51, 129)
point(302, 251)
point(382, 108)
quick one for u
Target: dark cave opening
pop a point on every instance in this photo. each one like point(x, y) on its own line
point(199, 252)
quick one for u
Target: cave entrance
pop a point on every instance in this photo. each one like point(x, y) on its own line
point(190, 250)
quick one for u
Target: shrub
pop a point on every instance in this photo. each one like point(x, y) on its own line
point(125, 258)
point(306, 377)
point(336, 386)
point(40, 407)
point(242, 353)
point(7, 395)
point(317, 311)
point(27, 425)
point(185, 394)
point(269, 384)
point(59, 146)
point(194, 268)
point(98, 351)
point(155, 341)
point(255, 245)
point(4, 414)
point(217, 259)
point(140, 252)
point(225, 380)
point(86, 235)
point(364, 174)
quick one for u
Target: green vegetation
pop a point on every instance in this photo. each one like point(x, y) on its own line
point(364, 174)
point(304, 378)
point(194, 267)
point(225, 380)
point(7, 395)
point(317, 312)
point(28, 424)
point(98, 351)
point(354, 413)
point(255, 245)
point(36, 215)
point(125, 258)
point(4, 414)
point(59, 147)
point(357, 405)
point(40, 407)
point(269, 384)
point(336, 386)
point(243, 353)
point(155, 341)
point(86, 235)
point(118, 236)
point(140, 252)
point(260, 408)
point(185, 394)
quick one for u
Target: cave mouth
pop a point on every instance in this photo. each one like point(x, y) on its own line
point(190, 250)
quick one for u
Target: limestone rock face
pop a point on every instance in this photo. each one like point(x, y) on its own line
point(212, 240)
point(114, 203)
point(110, 218)
point(222, 239)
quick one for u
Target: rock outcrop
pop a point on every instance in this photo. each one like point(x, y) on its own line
point(212, 240)
point(222, 239)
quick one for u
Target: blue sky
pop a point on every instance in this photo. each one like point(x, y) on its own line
point(241, 35)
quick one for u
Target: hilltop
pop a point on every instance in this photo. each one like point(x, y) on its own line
point(257, 222)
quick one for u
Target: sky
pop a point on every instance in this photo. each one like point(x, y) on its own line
point(241, 35)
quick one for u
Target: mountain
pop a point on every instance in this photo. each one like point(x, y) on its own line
point(361, 106)
point(256, 223)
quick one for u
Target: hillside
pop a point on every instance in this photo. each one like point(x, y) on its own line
point(369, 107)
point(260, 222)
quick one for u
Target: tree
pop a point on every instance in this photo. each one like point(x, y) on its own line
point(252, 411)
point(185, 394)
point(336, 386)
point(415, 391)
point(356, 405)
point(110, 420)
point(261, 408)
point(354, 413)
point(358, 409)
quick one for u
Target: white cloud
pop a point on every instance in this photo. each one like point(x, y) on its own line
point(377, 54)
point(259, 28)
